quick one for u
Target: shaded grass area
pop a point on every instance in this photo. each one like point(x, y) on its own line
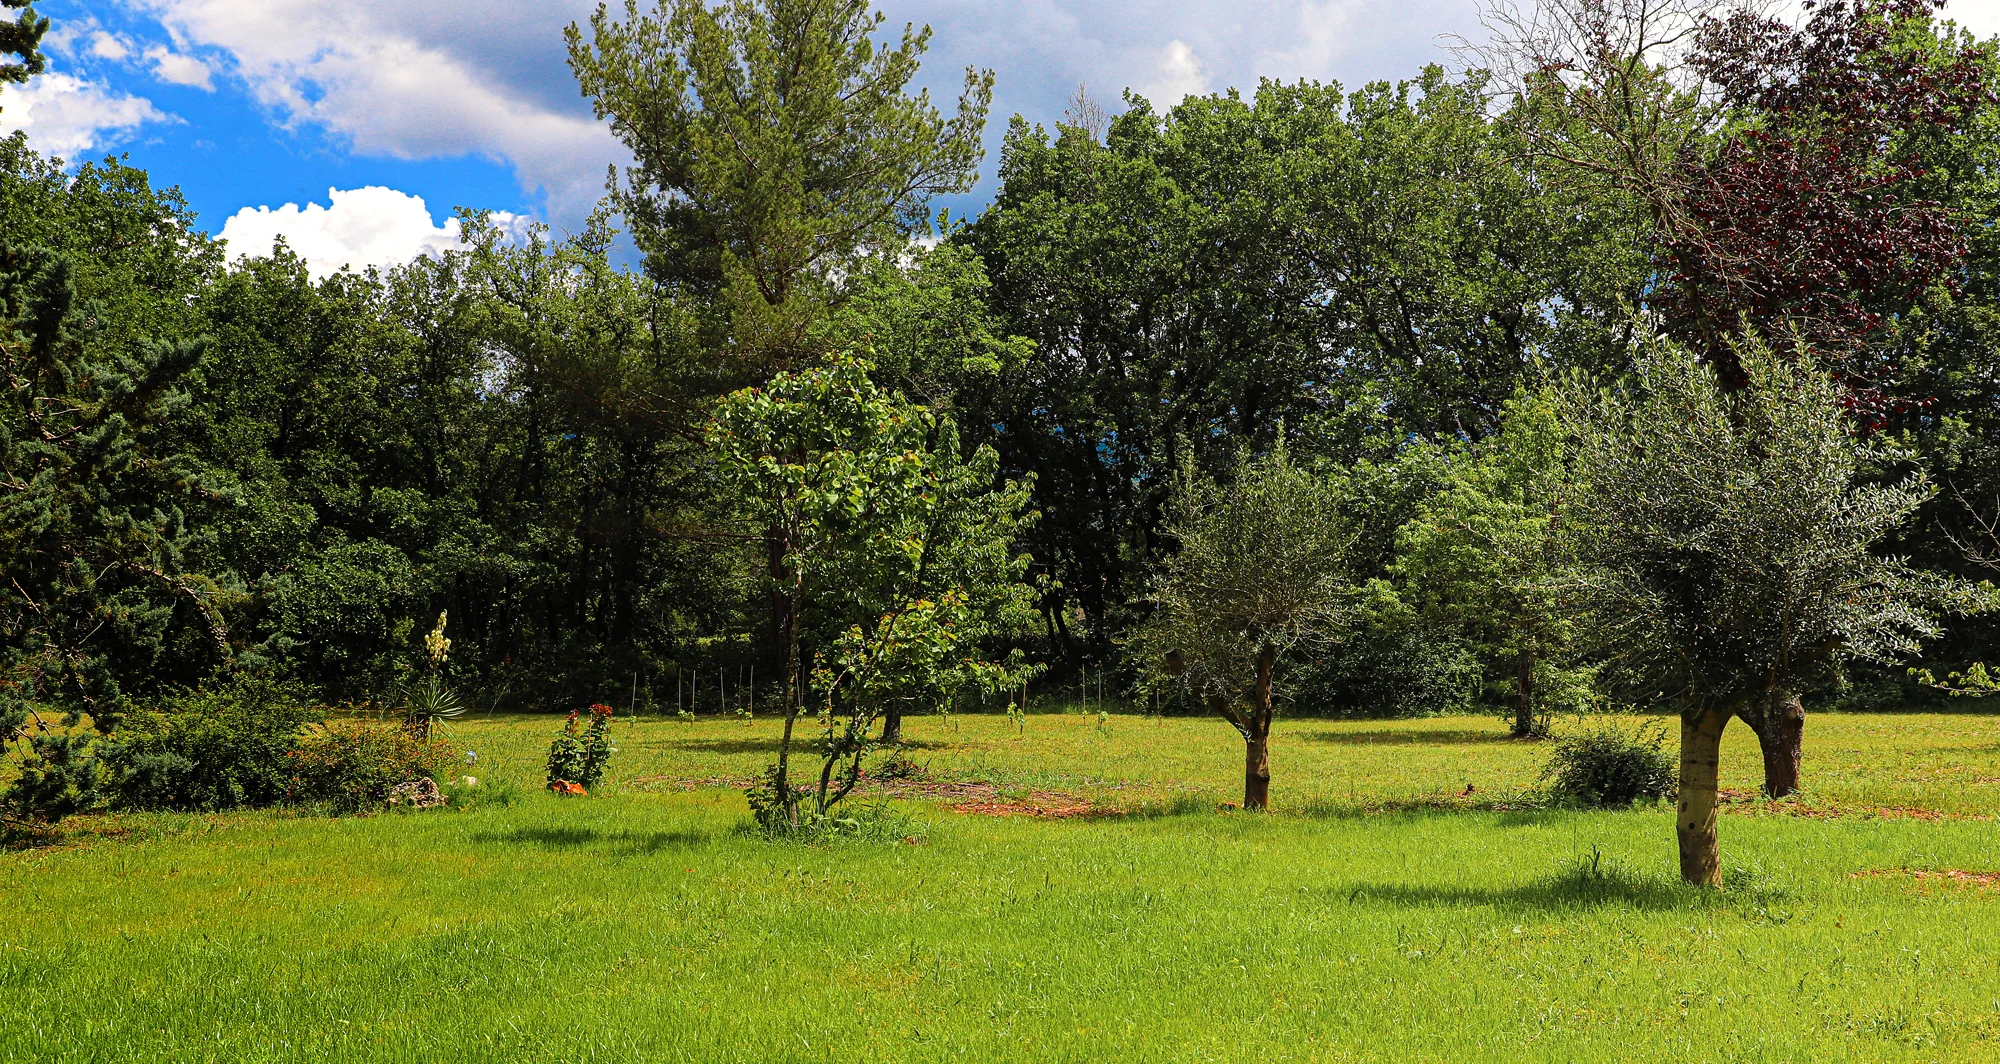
point(645, 924)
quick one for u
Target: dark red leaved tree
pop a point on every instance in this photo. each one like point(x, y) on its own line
point(1815, 215)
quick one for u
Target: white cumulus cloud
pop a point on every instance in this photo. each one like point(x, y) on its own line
point(1177, 74)
point(175, 68)
point(108, 46)
point(68, 116)
point(418, 81)
point(358, 228)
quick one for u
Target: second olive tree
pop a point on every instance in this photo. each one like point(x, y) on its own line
point(1728, 554)
point(1262, 568)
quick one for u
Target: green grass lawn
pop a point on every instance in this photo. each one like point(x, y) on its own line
point(1372, 916)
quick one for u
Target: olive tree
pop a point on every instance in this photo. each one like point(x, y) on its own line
point(1262, 568)
point(1728, 557)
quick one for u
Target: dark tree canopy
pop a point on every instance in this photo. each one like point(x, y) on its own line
point(1819, 211)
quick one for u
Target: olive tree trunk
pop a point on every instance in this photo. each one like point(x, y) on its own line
point(1257, 737)
point(1781, 734)
point(1694, 823)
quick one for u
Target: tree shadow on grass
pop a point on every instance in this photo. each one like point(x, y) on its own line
point(729, 746)
point(770, 745)
point(1526, 809)
point(1429, 737)
point(1588, 883)
point(619, 842)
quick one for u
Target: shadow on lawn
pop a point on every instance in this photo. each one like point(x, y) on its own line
point(1431, 737)
point(770, 745)
point(621, 842)
point(728, 746)
point(1588, 883)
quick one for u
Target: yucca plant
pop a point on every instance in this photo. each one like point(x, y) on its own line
point(433, 702)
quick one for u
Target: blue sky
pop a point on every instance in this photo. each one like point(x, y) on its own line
point(272, 103)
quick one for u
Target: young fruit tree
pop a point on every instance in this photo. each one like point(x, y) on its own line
point(916, 656)
point(1727, 554)
point(1262, 568)
point(1486, 555)
point(898, 548)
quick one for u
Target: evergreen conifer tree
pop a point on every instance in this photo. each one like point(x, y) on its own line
point(22, 38)
point(93, 519)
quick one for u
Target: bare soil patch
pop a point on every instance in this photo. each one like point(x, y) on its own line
point(1955, 876)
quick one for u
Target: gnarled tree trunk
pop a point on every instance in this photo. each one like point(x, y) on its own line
point(1694, 821)
point(1781, 733)
point(1257, 737)
point(1257, 772)
point(892, 727)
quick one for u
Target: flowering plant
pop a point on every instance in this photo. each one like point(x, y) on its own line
point(433, 702)
point(577, 759)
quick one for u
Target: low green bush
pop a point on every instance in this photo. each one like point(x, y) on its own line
point(1611, 766)
point(210, 750)
point(350, 766)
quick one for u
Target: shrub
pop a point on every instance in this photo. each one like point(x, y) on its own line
point(1608, 766)
point(580, 760)
point(352, 765)
point(209, 750)
point(59, 776)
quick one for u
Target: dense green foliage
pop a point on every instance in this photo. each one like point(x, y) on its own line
point(824, 465)
point(778, 150)
point(1263, 568)
point(886, 543)
point(1487, 554)
point(350, 766)
point(1729, 545)
point(21, 38)
point(211, 750)
point(1611, 765)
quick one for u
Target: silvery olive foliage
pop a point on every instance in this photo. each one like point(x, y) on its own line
point(1727, 541)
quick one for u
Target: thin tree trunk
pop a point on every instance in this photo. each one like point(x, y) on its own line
point(788, 642)
point(1524, 693)
point(1257, 740)
point(892, 727)
point(1694, 823)
point(1781, 737)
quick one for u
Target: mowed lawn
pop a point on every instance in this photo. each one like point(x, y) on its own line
point(1379, 914)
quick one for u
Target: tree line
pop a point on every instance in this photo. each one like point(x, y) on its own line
point(1644, 357)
